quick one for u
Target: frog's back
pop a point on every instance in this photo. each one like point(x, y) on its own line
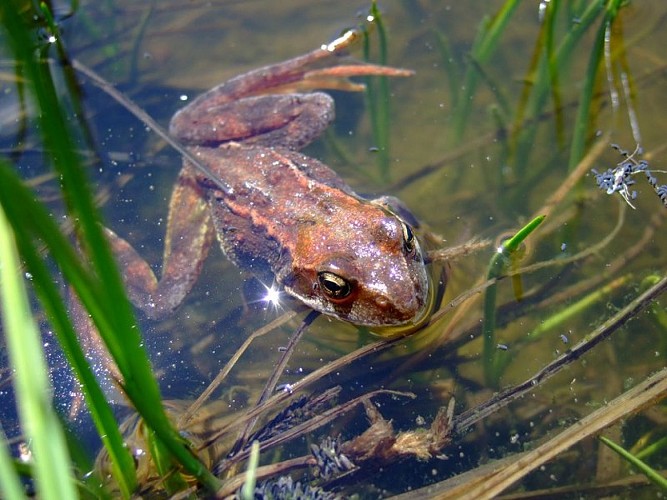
point(271, 193)
point(292, 221)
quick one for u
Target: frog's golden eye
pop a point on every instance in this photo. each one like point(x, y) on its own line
point(408, 238)
point(334, 287)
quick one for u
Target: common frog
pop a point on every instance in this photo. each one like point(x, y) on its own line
point(284, 216)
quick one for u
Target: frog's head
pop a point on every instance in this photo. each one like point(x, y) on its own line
point(368, 270)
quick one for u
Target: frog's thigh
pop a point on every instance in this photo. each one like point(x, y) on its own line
point(189, 236)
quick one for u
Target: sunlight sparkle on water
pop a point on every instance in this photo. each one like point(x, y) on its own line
point(272, 296)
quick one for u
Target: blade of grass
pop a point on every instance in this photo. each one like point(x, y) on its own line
point(497, 267)
point(24, 211)
point(248, 490)
point(486, 43)
point(539, 79)
point(172, 480)
point(582, 122)
point(578, 307)
point(10, 484)
point(90, 482)
point(653, 475)
point(377, 93)
point(558, 318)
point(69, 76)
point(31, 381)
point(542, 68)
point(117, 328)
point(551, 15)
point(653, 448)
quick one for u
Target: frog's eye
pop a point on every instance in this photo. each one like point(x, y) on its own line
point(334, 287)
point(408, 238)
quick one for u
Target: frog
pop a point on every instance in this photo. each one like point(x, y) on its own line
point(285, 217)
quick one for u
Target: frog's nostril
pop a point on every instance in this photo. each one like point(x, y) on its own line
point(382, 302)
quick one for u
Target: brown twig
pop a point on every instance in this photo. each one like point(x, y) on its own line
point(465, 420)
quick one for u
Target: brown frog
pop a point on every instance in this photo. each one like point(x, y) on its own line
point(284, 216)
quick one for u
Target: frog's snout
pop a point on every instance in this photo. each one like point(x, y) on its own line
point(402, 311)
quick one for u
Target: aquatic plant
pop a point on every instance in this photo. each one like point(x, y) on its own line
point(341, 412)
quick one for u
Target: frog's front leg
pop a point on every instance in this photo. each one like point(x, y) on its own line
point(188, 238)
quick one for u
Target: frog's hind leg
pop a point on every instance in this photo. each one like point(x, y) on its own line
point(189, 236)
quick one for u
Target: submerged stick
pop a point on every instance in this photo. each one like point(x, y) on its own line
point(502, 399)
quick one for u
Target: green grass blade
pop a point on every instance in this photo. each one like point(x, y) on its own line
point(248, 489)
point(377, 94)
point(116, 324)
point(172, 480)
point(90, 482)
point(579, 136)
point(24, 212)
point(33, 220)
point(539, 81)
point(33, 391)
point(653, 448)
point(578, 307)
point(497, 267)
point(551, 15)
point(486, 44)
point(78, 198)
point(543, 69)
point(10, 483)
point(582, 122)
point(654, 476)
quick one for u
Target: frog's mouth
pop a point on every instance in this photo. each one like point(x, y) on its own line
point(437, 282)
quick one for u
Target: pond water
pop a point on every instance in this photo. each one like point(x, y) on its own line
point(476, 146)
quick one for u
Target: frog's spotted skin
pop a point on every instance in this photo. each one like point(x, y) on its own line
point(278, 213)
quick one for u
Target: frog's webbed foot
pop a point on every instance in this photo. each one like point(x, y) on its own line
point(331, 76)
point(334, 76)
point(255, 102)
point(141, 283)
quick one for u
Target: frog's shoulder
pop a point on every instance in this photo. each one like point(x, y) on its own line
point(317, 170)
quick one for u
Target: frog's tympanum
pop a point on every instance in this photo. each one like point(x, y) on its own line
point(284, 216)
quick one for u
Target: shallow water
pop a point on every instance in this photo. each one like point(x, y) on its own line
point(483, 182)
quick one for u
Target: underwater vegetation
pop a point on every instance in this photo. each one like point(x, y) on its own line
point(518, 123)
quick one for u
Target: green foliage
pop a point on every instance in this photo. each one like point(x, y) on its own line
point(553, 55)
point(89, 268)
point(377, 92)
point(497, 267)
point(33, 389)
point(485, 44)
point(99, 287)
point(654, 476)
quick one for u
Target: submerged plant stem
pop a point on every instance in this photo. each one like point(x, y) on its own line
point(377, 95)
point(497, 267)
point(468, 418)
point(638, 464)
point(580, 135)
